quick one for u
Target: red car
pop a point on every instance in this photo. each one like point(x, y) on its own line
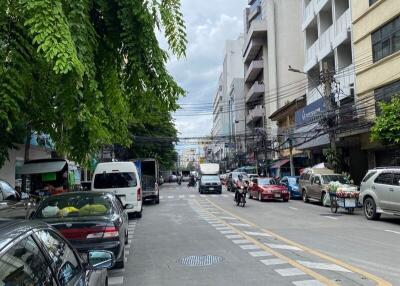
point(268, 189)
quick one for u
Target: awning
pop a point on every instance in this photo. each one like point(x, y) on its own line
point(310, 136)
point(279, 164)
point(41, 167)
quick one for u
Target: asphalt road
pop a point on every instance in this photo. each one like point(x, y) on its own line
point(193, 239)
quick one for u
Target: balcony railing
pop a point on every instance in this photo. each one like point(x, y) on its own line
point(254, 70)
point(255, 114)
point(325, 43)
point(344, 22)
point(255, 91)
point(311, 56)
point(346, 78)
point(308, 15)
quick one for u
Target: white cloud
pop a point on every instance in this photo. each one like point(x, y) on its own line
point(209, 24)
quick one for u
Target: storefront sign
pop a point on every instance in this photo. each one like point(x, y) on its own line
point(310, 113)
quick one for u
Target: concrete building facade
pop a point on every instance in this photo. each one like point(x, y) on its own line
point(273, 38)
point(376, 30)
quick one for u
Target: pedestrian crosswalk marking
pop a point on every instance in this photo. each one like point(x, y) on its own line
point(273, 261)
point(257, 233)
point(249, 247)
point(241, 241)
point(181, 196)
point(308, 283)
point(240, 224)
point(260, 253)
point(227, 231)
point(289, 272)
point(227, 218)
point(323, 266)
point(170, 197)
point(233, 236)
point(192, 196)
point(116, 280)
point(223, 228)
point(283, 246)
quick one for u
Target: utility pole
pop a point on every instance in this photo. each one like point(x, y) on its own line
point(327, 79)
point(292, 171)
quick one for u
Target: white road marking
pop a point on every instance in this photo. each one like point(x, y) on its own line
point(289, 272)
point(233, 236)
point(223, 228)
point(128, 246)
point(260, 253)
point(192, 196)
point(129, 241)
point(115, 280)
point(331, 217)
point(227, 231)
point(227, 217)
point(257, 233)
point(273, 261)
point(392, 231)
point(225, 195)
point(170, 197)
point(214, 196)
point(126, 252)
point(240, 224)
point(181, 196)
point(323, 266)
point(292, 208)
point(283, 246)
point(249, 247)
point(202, 196)
point(241, 241)
point(161, 197)
point(217, 224)
point(308, 283)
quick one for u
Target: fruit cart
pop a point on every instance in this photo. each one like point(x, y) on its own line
point(345, 197)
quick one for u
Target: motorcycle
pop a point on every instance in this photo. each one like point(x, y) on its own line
point(179, 181)
point(192, 183)
point(240, 197)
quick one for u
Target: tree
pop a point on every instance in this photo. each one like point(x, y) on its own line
point(387, 125)
point(83, 71)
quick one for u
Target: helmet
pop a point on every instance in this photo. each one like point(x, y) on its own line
point(240, 177)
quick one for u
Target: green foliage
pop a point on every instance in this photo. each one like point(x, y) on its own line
point(387, 125)
point(333, 159)
point(85, 71)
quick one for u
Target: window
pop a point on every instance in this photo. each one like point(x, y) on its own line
point(316, 180)
point(8, 192)
point(386, 40)
point(386, 94)
point(396, 179)
point(24, 264)
point(372, 2)
point(368, 176)
point(335, 178)
point(384, 178)
point(63, 257)
point(115, 180)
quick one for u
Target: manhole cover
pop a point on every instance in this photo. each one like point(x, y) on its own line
point(200, 260)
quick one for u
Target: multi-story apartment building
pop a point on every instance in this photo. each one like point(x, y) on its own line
point(376, 32)
point(222, 118)
point(328, 39)
point(272, 42)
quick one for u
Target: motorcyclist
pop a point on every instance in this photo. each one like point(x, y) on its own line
point(240, 182)
point(192, 181)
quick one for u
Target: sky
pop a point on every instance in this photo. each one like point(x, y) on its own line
point(209, 24)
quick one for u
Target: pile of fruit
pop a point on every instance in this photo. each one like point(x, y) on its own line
point(343, 191)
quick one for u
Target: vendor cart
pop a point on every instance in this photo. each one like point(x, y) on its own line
point(345, 200)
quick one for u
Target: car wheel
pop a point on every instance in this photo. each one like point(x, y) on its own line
point(370, 209)
point(157, 200)
point(250, 196)
point(121, 264)
point(126, 238)
point(139, 214)
point(305, 197)
point(259, 197)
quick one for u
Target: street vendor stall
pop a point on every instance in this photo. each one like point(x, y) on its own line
point(343, 196)
point(50, 176)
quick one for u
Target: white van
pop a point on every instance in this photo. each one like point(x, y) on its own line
point(121, 178)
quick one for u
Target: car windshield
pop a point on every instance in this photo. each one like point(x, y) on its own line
point(266, 182)
point(245, 177)
point(114, 180)
point(335, 178)
point(75, 205)
point(209, 178)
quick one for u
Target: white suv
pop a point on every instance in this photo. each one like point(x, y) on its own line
point(380, 192)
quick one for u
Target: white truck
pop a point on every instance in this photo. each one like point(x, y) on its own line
point(209, 179)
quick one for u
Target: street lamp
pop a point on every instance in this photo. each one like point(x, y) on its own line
point(295, 70)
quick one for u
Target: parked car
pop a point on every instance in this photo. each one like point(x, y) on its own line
point(268, 189)
point(314, 184)
point(380, 192)
point(173, 179)
point(89, 220)
point(121, 178)
point(233, 178)
point(13, 204)
point(292, 184)
point(33, 253)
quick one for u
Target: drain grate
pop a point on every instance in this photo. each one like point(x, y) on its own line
point(200, 260)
